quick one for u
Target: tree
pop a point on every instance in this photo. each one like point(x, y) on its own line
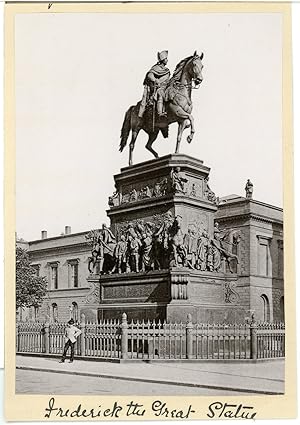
point(30, 288)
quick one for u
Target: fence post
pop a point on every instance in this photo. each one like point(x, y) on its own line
point(189, 337)
point(82, 335)
point(47, 338)
point(124, 336)
point(17, 337)
point(253, 338)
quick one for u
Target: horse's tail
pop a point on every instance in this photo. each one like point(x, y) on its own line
point(126, 127)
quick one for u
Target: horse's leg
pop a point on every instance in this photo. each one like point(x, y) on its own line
point(190, 136)
point(135, 133)
point(151, 139)
point(181, 126)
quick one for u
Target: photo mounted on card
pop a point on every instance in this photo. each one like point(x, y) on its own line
point(149, 212)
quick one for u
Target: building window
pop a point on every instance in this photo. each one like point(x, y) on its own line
point(53, 274)
point(264, 262)
point(54, 277)
point(266, 308)
point(74, 311)
point(36, 313)
point(73, 273)
point(282, 309)
point(54, 312)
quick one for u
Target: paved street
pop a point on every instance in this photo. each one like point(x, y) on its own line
point(36, 382)
point(47, 376)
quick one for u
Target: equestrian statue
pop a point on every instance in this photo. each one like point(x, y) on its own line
point(165, 100)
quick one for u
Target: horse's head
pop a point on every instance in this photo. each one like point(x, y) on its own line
point(194, 68)
point(190, 69)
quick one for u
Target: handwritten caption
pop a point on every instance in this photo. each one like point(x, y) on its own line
point(158, 408)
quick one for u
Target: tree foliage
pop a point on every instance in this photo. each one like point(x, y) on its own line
point(30, 288)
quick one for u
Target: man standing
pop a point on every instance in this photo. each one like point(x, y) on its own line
point(154, 83)
point(71, 334)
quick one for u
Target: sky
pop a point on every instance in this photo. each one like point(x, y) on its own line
point(77, 74)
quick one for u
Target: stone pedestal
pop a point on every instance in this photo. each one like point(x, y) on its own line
point(150, 198)
point(210, 297)
point(167, 295)
point(147, 191)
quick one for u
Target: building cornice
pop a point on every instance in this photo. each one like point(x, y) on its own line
point(249, 216)
point(53, 238)
point(83, 246)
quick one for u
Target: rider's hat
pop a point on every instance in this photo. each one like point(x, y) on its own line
point(162, 55)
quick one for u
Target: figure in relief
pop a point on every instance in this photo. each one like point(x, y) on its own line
point(120, 255)
point(145, 192)
point(161, 240)
point(157, 190)
point(208, 193)
point(178, 180)
point(134, 247)
point(147, 261)
point(202, 251)
point(191, 242)
point(222, 247)
point(177, 243)
point(103, 244)
point(133, 196)
point(115, 199)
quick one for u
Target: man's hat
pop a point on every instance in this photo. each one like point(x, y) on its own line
point(71, 322)
point(162, 55)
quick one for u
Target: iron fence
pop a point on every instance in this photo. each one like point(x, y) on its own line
point(148, 340)
point(103, 339)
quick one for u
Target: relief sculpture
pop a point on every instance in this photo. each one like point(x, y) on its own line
point(161, 243)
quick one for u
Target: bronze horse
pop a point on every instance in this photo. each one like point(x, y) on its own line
point(178, 104)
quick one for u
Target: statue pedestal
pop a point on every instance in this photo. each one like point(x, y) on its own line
point(167, 295)
point(210, 297)
point(162, 215)
point(147, 191)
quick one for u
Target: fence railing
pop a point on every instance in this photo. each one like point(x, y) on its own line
point(148, 340)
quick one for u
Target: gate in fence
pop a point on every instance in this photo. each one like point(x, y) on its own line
point(157, 340)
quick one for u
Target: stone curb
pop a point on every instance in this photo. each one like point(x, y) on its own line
point(153, 361)
point(149, 380)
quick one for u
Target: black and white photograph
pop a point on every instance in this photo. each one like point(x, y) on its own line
point(151, 205)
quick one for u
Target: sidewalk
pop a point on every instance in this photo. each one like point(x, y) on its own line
point(261, 378)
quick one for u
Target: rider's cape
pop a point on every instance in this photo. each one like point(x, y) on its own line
point(159, 70)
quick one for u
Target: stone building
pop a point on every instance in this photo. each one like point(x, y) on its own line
point(63, 260)
point(260, 270)
point(173, 188)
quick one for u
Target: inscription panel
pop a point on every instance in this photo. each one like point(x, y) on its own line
point(142, 292)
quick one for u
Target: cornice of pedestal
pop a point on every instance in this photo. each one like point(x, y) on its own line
point(167, 161)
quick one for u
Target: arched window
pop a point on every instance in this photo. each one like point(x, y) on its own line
point(54, 312)
point(75, 311)
point(282, 309)
point(266, 308)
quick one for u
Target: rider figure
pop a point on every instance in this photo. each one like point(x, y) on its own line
point(154, 82)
